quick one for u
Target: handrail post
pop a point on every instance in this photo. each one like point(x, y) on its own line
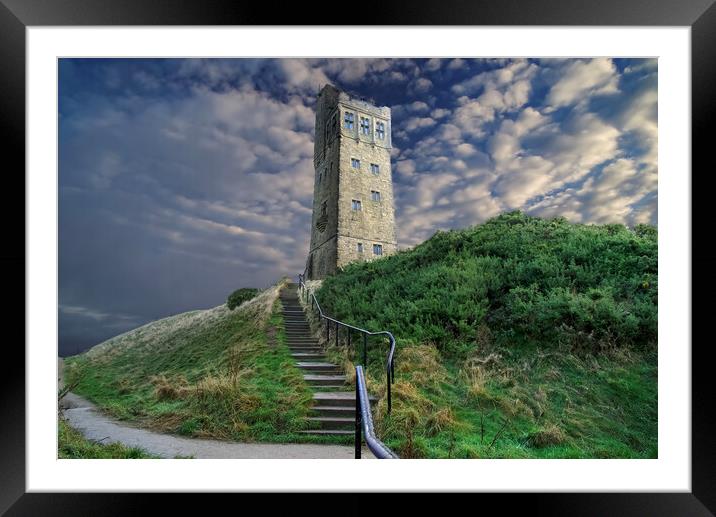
point(349, 337)
point(365, 350)
point(336, 334)
point(388, 384)
point(328, 330)
point(359, 425)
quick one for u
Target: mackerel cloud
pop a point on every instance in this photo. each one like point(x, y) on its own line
point(182, 180)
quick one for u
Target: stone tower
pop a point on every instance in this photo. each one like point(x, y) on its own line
point(353, 210)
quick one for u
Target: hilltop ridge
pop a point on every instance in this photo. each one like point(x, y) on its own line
point(519, 337)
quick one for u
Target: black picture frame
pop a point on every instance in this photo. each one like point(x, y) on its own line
point(17, 15)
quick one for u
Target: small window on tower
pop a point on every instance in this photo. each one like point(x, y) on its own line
point(375, 168)
point(355, 203)
point(365, 125)
point(355, 163)
point(380, 130)
point(324, 208)
point(360, 247)
point(348, 120)
point(377, 249)
point(375, 195)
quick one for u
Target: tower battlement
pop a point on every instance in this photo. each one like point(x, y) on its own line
point(353, 208)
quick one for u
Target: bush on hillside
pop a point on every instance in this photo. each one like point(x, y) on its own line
point(240, 296)
point(527, 279)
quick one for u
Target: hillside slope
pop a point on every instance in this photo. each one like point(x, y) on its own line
point(520, 337)
point(210, 373)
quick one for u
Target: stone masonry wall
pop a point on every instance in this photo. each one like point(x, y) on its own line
point(336, 228)
point(322, 255)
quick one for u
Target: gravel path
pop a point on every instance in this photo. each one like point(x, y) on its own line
point(83, 416)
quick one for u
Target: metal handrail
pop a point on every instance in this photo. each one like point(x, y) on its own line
point(363, 416)
point(364, 423)
point(390, 361)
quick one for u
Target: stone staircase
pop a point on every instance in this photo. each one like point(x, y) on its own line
point(333, 411)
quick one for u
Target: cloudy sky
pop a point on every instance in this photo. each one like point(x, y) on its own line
point(182, 180)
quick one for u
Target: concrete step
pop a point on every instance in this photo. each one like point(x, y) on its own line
point(303, 356)
point(331, 422)
point(335, 411)
point(318, 371)
point(330, 387)
point(334, 370)
point(328, 432)
point(336, 398)
point(316, 366)
point(324, 380)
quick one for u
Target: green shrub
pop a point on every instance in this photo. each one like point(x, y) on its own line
point(527, 279)
point(240, 296)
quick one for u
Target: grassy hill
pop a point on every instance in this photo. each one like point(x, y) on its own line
point(212, 373)
point(520, 338)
